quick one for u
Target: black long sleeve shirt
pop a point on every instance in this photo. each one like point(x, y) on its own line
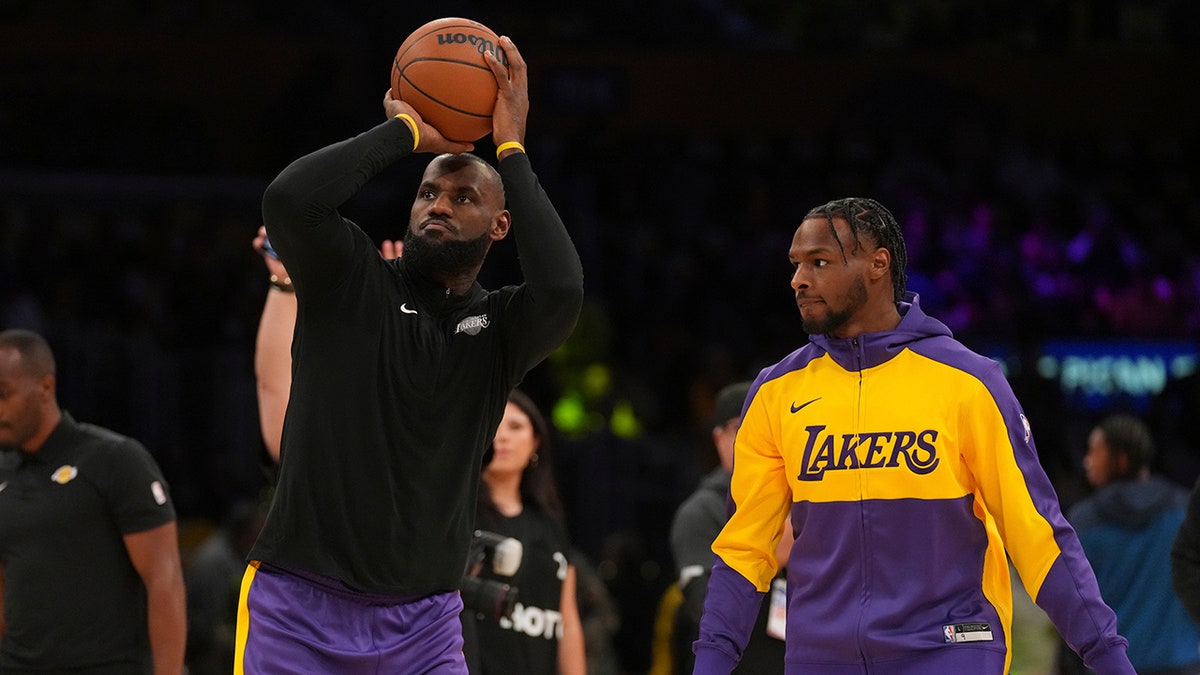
point(398, 386)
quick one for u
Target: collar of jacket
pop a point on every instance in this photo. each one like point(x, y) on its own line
point(868, 350)
point(434, 297)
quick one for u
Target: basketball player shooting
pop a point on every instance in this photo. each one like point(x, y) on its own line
point(401, 372)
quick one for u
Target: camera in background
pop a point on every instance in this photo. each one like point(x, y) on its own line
point(488, 597)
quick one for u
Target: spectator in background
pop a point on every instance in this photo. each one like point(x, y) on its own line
point(1126, 528)
point(212, 576)
point(599, 616)
point(1185, 557)
point(698, 521)
point(1176, 412)
point(272, 343)
point(272, 347)
point(518, 498)
point(90, 575)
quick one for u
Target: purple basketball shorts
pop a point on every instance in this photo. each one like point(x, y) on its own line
point(288, 625)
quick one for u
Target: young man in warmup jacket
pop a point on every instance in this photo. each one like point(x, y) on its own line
point(909, 472)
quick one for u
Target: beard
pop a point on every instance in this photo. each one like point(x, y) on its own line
point(834, 319)
point(445, 258)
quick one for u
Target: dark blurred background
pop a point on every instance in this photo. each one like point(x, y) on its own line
point(1041, 157)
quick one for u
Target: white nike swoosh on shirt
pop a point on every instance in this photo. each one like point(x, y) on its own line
point(3, 485)
point(404, 308)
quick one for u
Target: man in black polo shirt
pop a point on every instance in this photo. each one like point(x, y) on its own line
point(90, 577)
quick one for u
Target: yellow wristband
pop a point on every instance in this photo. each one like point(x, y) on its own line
point(510, 145)
point(412, 124)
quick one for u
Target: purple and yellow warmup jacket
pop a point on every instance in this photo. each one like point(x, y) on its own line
point(908, 469)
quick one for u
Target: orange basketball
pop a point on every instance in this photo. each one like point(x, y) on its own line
point(440, 71)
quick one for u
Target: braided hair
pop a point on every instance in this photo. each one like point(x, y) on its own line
point(870, 217)
point(1128, 435)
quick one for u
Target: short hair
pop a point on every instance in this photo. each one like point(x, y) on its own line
point(456, 161)
point(36, 356)
point(1128, 435)
point(868, 216)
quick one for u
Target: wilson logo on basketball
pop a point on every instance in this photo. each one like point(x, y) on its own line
point(481, 44)
point(442, 70)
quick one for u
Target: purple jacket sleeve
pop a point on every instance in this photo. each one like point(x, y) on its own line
point(730, 609)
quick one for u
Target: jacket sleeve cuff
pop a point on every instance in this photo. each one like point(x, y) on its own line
point(712, 661)
point(1112, 662)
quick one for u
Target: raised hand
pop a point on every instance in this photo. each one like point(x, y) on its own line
point(429, 139)
point(512, 98)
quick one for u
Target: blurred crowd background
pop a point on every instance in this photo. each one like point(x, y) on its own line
point(1040, 156)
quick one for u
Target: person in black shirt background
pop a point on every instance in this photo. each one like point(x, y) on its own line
point(518, 498)
point(90, 573)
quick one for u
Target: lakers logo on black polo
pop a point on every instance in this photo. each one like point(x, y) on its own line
point(472, 325)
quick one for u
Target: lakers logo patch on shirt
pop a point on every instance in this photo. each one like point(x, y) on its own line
point(472, 325)
point(64, 474)
point(967, 632)
point(160, 495)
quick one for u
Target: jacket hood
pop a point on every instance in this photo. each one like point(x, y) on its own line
point(1134, 502)
point(871, 349)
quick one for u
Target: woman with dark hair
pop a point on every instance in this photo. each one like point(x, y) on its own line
point(518, 498)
